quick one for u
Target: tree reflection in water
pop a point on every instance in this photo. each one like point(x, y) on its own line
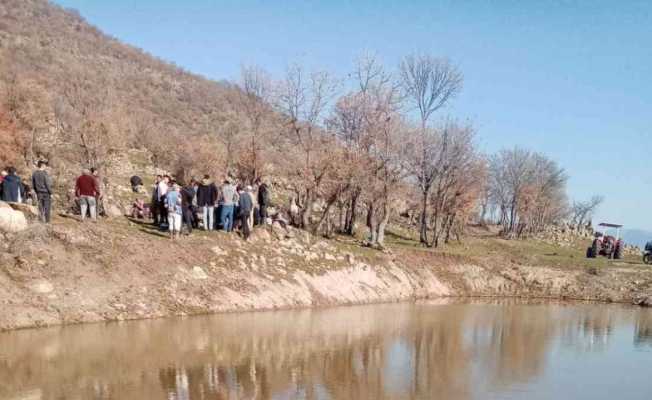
point(400, 351)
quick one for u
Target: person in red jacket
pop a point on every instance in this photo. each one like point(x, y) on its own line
point(86, 191)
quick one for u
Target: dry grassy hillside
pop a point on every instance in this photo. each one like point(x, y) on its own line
point(61, 76)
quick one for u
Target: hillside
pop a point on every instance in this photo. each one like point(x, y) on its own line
point(56, 69)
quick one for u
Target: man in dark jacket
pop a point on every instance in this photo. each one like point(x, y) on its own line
point(12, 188)
point(42, 185)
point(263, 200)
point(206, 198)
point(154, 203)
point(187, 197)
point(245, 205)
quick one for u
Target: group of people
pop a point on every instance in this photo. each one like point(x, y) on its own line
point(202, 202)
point(174, 205)
point(14, 190)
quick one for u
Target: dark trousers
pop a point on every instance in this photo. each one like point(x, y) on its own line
point(154, 209)
point(262, 209)
point(162, 212)
point(244, 225)
point(44, 204)
point(188, 219)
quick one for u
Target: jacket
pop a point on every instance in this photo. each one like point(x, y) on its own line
point(187, 196)
point(12, 189)
point(136, 181)
point(245, 203)
point(206, 194)
point(41, 182)
point(173, 202)
point(263, 195)
point(86, 185)
point(229, 195)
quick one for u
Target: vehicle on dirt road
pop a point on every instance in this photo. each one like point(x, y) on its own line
point(647, 255)
point(606, 244)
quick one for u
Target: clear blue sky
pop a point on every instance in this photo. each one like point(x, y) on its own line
point(572, 79)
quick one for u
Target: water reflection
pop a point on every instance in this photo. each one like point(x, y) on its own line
point(400, 351)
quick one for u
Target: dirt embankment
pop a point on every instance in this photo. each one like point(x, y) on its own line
point(71, 272)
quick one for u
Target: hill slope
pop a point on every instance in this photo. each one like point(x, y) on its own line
point(57, 71)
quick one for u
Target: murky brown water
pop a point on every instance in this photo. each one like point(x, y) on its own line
point(399, 351)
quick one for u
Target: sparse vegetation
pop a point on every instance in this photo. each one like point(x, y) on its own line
point(366, 148)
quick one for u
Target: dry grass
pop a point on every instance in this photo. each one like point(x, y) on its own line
point(482, 247)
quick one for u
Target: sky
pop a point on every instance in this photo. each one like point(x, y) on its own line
point(571, 79)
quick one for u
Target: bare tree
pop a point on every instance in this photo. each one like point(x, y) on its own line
point(357, 119)
point(303, 99)
point(429, 83)
point(457, 179)
point(583, 211)
point(255, 96)
point(528, 188)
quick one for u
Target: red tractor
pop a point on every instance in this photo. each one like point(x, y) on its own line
point(607, 245)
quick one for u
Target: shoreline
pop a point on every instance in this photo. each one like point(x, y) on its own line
point(452, 299)
point(71, 273)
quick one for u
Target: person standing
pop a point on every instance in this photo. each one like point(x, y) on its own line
point(187, 198)
point(245, 206)
point(86, 191)
point(3, 174)
point(206, 198)
point(162, 193)
point(42, 185)
point(99, 198)
point(13, 190)
point(263, 200)
point(174, 205)
point(154, 206)
point(228, 200)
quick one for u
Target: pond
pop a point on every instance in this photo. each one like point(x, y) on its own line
point(423, 350)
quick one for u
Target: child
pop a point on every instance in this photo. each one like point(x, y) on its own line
point(139, 209)
point(175, 213)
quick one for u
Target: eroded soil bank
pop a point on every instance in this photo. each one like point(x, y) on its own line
point(72, 273)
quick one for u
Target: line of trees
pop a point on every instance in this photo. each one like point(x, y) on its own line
point(348, 153)
point(361, 150)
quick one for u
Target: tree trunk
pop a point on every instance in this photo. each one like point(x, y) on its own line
point(307, 209)
point(371, 223)
point(351, 214)
point(423, 231)
point(380, 237)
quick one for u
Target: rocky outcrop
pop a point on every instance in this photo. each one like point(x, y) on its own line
point(30, 211)
point(564, 234)
point(11, 221)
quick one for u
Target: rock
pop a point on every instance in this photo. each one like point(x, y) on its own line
point(113, 211)
point(28, 210)
point(260, 235)
point(41, 286)
point(198, 273)
point(279, 232)
point(644, 301)
point(218, 251)
point(12, 221)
